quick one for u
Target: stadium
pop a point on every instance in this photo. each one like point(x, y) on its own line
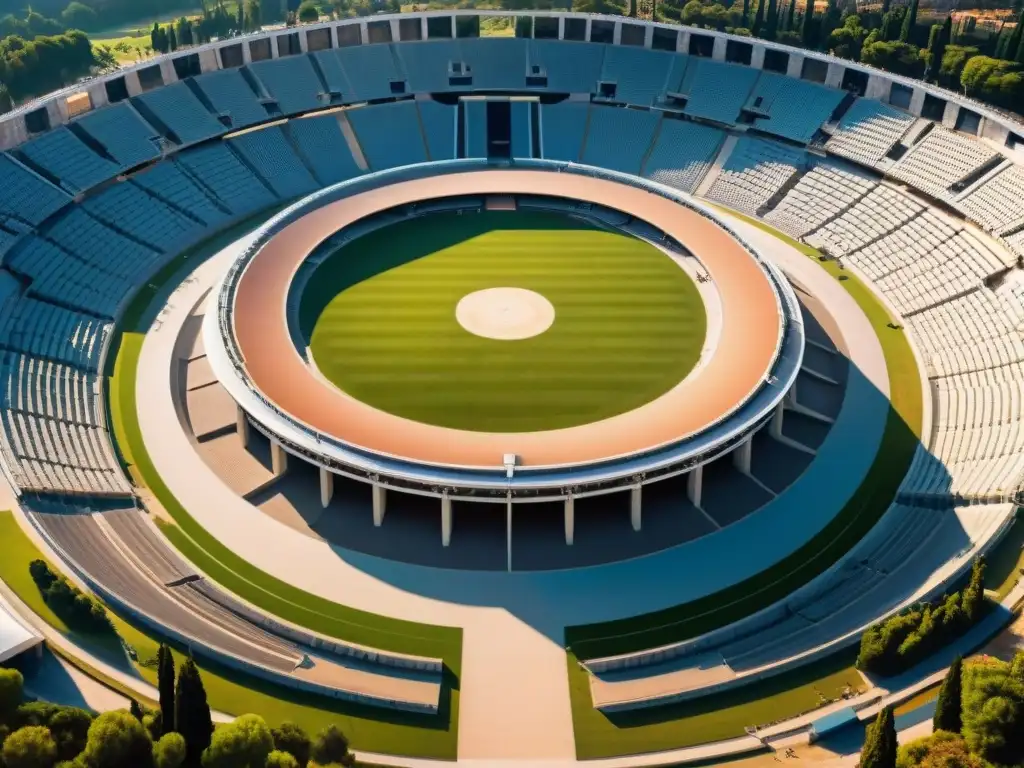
point(583, 394)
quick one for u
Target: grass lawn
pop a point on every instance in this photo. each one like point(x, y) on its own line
point(371, 730)
point(629, 323)
point(683, 725)
point(127, 49)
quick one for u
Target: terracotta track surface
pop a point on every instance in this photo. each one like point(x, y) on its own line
point(750, 332)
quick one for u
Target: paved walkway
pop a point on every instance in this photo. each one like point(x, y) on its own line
point(514, 690)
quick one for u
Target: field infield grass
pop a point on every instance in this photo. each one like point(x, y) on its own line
point(629, 322)
point(790, 694)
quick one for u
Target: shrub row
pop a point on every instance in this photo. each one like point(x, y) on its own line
point(81, 611)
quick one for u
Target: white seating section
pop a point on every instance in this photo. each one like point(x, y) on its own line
point(683, 153)
point(881, 211)
point(868, 131)
point(821, 194)
point(996, 204)
point(754, 172)
point(941, 159)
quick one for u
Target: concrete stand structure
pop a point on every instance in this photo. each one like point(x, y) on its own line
point(446, 520)
point(570, 519)
point(326, 487)
point(278, 458)
point(380, 500)
point(242, 426)
point(636, 507)
point(775, 428)
point(741, 456)
point(695, 485)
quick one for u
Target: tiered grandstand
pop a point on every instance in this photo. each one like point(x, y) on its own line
point(94, 204)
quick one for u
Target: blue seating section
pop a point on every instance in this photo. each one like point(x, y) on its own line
point(44, 330)
point(496, 64)
point(522, 130)
point(129, 208)
point(26, 195)
point(370, 69)
point(334, 74)
point(618, 138)
point(216, 167)
point(683, 153)
point(323, 147)
point(123, 134)
point(571, 67)
point(796, 108)
point(183, 114)
point(59, 276)
point(426, 64)
point(269, 151)
point(230, 94)
point(167, 182)
point(562, 129)
point(717, 91)
point(476, 128)
point(292, 81)
point(65, 156)
point(439, 125)
point(7, 240)
point(389, 134)
point(90, 240)
point(640, 74)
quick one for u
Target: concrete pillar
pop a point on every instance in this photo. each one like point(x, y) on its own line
point(167, 72)
point(334, 36)
point(950, 114)
point(834, 75)
point(795, 66)
point(423, 28)
point(617, 33)
point(246, 53)
point(455, 28)
point(131, 83)
point(917, 101)
point(649, 36)
point(570, 519)
point(275, 52)
point(695, 485)
point(791, 395)
point(278, 458)
point(380, 501)
point(757, 57)
point(586, 31)
point(208, 60)
point(775, 428)
point(718, 49)
point(636, 506)
point(364, 33)
point(446, 520)
point(326, 487)
point(741, 455)
point(242, 427)
point(683, 41)
point(561, 27)
point(98, 96)
point(396, 33)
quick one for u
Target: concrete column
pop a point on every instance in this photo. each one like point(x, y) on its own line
point(275, 52)
point(455, 29)
point(380, 500)
point(648, 36)
point(718, 49)
point(396, 33)
point(741, 455)
point(167, 71)
point(364, 33)
point(636, 506)
point(246, 53)
point(242, 427)
point(446, 520)
point(586, 31)
point(683, 41)
point(98, 96)
point(208, 60)
point(131, 83)
point(917, 101)
point(278, 458)
point(791, 395)
point(775, 428)
point(303, 40)
point(695, 485)
point(757, 56)
point(617, 33)
point(950, 114)
point(326, 487)
point(878, 88)
point(334, 36)
point(795, 67)
point(423, 28)
point(561, 27)
point(570, 519)
point(834, 75)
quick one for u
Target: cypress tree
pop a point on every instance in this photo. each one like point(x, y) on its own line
point(886, 5)
point(746, 14)
point(192, 713)
point(791, 16)
point(165, 684)
point(909, 22)
point(758, 19)
point(938, 39)
point(1019, 58)
point(135, 709)
point(807, 33)
point(771, 25)
point(1013, 45)
point(948, 707)
point(880, 742)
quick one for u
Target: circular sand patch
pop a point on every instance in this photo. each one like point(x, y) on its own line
point(506, 314)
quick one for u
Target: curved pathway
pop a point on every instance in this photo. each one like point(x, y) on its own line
point(514, 689)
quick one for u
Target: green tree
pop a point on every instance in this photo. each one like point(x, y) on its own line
point(117, 740)
point(170, 751)
point(243, 743)
point(947, 709)
point(192, 712)
point(30, 747)
point(69, 726)
point(771, 22)
point(278, 759)
point(901, 58)
point(331, 746)
point(938, 41)
point(758, 19)
point(12, 685)
point(847, 40)
point(809, 32)
point(940, 750)
point(308, 12)
point(78, 16)
point(290, 738)
point(745, 23)
point(879, 749)
point(172, 39)
point(165, 685)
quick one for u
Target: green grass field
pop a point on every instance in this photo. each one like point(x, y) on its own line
point(629, 323)
point(789, 694)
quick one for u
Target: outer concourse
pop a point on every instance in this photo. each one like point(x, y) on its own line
point(749, 343)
